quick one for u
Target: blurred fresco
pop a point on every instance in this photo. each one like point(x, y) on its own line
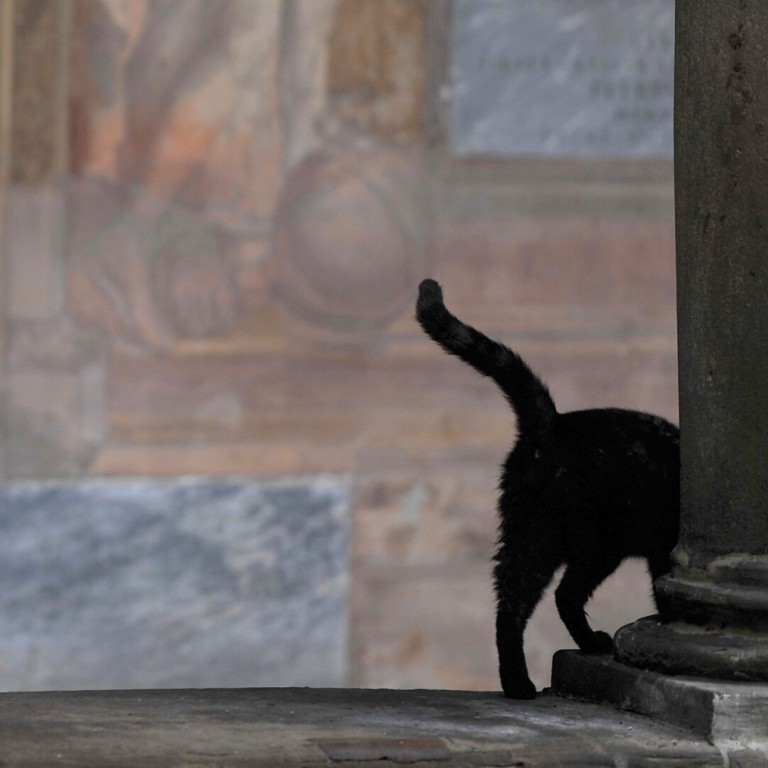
point(215, 215)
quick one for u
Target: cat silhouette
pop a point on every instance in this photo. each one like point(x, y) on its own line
point(584, 489)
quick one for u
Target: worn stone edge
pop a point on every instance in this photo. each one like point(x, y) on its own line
point(728, 714)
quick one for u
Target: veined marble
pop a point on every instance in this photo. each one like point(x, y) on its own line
point(189, 583)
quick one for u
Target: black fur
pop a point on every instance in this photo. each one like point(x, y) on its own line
point(585, 489)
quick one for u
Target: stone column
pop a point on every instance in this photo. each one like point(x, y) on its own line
point(714, 604)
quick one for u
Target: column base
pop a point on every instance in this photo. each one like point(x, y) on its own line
point(729, 714)
point(677, 648)
point(729, 591)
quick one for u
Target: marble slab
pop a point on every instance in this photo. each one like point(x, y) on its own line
point(562, 77)
point(187, 583)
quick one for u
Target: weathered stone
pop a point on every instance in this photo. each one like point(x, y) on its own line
point(723, 281)
point(730, 714)
point(562, 78)
point(145, 339)
point(354, 728)
point(38, 100)
point(377, 74)
point(303, 72)
point(132, 584)
point(47, 433)
point(181, 99)
point(34, 250)
point(147, 272)
point(51, 344)
point(572, 276)
point(349, 242)
point(676, 648)
point(714, 604)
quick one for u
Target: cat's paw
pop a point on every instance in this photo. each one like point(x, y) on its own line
point(601, 642)
point(519, 689)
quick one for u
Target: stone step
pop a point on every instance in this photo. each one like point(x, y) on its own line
point(320, 727)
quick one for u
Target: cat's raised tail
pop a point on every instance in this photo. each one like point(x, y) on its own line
point(526, 393)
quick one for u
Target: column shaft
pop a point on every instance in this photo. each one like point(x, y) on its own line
point(714, 605)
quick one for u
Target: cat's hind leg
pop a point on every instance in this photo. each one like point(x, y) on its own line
point(519, 589)
point(580, 580)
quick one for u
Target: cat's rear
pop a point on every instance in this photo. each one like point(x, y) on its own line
point(586, 489)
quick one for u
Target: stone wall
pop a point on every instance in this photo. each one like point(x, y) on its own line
point(216, 214)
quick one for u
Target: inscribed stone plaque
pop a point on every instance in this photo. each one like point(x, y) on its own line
point(190, 583)
point(562, 77)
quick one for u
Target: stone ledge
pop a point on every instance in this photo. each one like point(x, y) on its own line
point(729, 714)
point(319, 727)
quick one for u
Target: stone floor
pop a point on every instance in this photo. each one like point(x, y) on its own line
point(350, 727)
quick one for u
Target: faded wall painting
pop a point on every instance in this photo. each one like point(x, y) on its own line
point(215, 217)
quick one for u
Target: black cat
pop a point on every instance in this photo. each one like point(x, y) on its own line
point(586, 489)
